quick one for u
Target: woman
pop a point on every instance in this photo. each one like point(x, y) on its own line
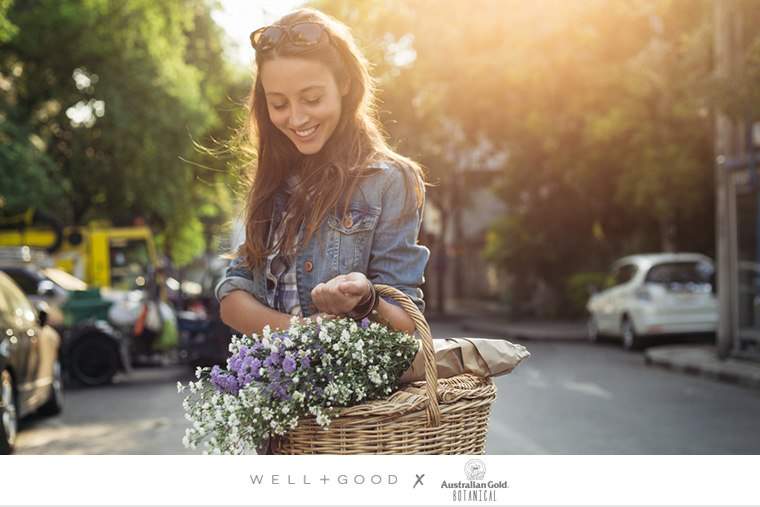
point(331, 209)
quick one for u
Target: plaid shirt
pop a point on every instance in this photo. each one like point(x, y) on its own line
point(282, 285)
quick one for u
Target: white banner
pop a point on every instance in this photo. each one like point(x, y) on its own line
point(379, 480)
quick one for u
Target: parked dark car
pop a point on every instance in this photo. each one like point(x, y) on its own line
point(92, 350)
point(30, 366)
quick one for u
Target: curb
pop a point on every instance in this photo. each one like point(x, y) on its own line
point(703, 361)
point(527, 332)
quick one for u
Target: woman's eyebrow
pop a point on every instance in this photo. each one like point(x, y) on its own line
point(312, 87)
point(303, 90)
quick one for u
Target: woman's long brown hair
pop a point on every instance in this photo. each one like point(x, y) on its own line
point(334, 172)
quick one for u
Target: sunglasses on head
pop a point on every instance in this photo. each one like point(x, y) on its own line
point(303, 35)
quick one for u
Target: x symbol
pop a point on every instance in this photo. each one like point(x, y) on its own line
point(419, 480)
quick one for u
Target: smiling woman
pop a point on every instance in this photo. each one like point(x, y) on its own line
point(332, 210)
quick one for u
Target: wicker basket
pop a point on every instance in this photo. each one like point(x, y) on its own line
point(448, 416)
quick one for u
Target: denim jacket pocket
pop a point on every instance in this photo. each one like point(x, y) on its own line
point(350, 238)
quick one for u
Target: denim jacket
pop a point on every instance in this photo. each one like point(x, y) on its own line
point(377, 237)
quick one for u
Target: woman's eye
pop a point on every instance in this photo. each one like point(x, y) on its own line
point(278, 107)
point(313, 101)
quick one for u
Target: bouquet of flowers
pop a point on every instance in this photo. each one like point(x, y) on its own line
point(314, 368)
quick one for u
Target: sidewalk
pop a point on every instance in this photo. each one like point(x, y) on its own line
point(565, 331)
point(703, 360)
point(489, 318)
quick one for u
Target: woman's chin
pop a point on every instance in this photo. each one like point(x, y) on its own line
point(308, 148)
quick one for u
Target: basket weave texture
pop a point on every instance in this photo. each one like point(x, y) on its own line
point(447, 416)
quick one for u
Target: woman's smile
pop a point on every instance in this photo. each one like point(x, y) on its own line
point(306, 134)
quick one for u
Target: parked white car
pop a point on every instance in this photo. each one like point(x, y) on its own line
point(655, 294)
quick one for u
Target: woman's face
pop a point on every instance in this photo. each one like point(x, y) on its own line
point(303, 99)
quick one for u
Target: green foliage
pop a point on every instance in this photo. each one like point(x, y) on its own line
point(579, 288)
point(116, 93)
point(602, 108)
point(25, 172)
point(7, 29)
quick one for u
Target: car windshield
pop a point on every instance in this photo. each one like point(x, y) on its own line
point(681, 273)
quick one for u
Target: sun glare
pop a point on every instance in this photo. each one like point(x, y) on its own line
point(240, 17)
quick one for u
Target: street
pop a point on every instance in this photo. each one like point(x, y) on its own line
point(567, 398)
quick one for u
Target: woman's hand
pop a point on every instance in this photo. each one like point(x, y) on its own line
point(341, 294)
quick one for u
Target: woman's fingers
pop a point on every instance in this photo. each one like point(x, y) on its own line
point(328, 298)
point(354, 287)
point(340, 294)
point(318, 297)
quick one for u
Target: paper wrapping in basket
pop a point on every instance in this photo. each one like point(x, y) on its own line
point(478, 356)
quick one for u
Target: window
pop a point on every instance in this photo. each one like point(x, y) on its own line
point(624, 274)
point(681, 273)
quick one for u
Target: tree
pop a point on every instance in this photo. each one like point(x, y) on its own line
point(114, 93)
point(600, 109)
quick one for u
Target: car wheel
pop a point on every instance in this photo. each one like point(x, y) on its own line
point(93, 361)
point(8, 413)
point(592, 329)
point(54, 404)
point(631, 341)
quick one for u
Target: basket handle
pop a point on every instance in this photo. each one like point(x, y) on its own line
point(431, 368)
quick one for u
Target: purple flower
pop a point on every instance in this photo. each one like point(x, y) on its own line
point(236, 362)
point(224, 381)
point(249, 371)
point(255, 367)
point(273, 359)
point(365, 323)
point(289, 364)
point(305, 362)
point(282, 393)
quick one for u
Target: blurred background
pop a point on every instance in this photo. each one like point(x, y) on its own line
point(593, 170)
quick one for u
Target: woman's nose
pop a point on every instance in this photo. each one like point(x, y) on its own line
point(298, 118)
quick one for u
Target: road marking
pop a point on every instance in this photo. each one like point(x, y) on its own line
point(588, 388)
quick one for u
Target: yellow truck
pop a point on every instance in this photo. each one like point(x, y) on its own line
point(101, 255)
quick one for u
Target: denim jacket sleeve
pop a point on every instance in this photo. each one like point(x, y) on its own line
point(236, 277)
point(396, 259)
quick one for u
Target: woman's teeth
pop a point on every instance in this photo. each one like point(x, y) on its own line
point(307, 132)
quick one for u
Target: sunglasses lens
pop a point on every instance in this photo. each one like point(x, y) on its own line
point(306, 34)
point(266, 38)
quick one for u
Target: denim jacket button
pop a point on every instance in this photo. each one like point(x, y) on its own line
point(348, 221)
point(308, 266)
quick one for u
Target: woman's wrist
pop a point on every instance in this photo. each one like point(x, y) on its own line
point(366, 305)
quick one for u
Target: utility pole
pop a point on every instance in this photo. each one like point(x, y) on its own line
point(727, 146)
